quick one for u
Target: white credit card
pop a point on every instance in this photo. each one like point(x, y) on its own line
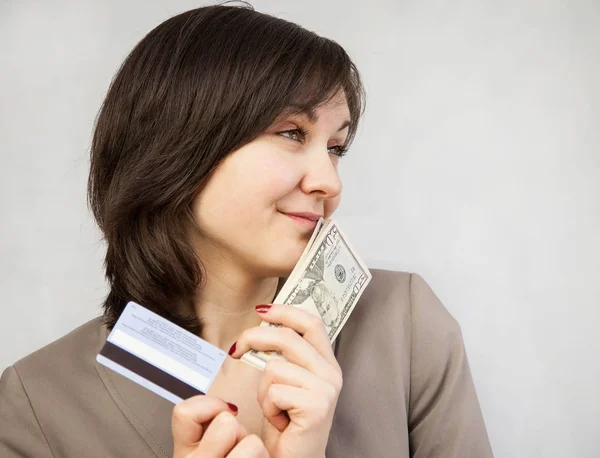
point(159, 355)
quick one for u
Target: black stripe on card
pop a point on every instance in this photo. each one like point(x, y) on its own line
point(151, 373)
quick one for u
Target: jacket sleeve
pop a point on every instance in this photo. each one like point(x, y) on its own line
point(445, 419)
point(20, 432)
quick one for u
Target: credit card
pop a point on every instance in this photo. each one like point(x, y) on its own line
point(159, 355)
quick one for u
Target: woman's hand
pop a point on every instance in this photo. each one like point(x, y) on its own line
point(206, 427)
point(298, 395)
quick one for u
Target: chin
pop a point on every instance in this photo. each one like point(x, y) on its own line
point(284, 267)
point(282, 263)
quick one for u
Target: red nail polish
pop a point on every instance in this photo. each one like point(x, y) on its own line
point(232, 349)
point(262, 308)
point(233, 407)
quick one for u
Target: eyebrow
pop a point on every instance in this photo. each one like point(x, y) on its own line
point(345, 124)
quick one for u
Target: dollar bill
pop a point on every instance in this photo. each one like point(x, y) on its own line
point(327, 281)
point(300, 265)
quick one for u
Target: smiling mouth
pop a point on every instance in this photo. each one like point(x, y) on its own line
point(306, 220)
point(306, 215)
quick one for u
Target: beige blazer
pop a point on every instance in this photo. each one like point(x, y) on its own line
point(407, 389)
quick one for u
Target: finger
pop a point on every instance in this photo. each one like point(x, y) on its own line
point(275, 415)
point(279, 418)
point(283, 372)
point(220, 437)
point(308, 325)
point(188, 418)
point(250, 447)
point(280, 371)
point(286, 341)
point(305, 408)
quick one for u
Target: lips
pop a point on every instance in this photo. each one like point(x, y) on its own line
point(306, 215)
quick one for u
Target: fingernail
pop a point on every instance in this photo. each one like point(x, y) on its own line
point(232, 349)
point(262, 308)
point(233, 407)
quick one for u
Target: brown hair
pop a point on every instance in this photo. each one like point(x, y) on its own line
point(197, 87)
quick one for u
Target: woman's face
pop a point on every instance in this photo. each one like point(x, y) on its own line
point(244, 211)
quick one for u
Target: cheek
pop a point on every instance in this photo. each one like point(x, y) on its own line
point(276, 175)
point(246, 185)
point(331, 205)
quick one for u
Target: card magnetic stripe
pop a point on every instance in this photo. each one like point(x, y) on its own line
point(148, 371)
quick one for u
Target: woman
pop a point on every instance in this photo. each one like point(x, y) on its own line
point(217, 144)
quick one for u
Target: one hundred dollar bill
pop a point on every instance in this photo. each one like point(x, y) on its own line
point(327, 281)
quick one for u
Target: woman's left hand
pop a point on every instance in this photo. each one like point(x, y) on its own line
point(298, 395)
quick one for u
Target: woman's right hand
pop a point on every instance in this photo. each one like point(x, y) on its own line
point(206, 427)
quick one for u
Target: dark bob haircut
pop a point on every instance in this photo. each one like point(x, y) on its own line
point(197, 87)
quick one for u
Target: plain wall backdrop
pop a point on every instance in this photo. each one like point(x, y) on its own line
point(477, 165)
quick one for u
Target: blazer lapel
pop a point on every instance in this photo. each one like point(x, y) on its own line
point(148, 413)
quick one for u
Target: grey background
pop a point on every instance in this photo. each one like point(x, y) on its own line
point(477, 166)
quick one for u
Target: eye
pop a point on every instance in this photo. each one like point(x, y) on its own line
point(298, 131)
point(338, 150)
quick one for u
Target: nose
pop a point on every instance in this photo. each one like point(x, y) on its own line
point(321, 177)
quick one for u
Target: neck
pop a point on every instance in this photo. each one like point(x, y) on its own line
point(225, 304)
